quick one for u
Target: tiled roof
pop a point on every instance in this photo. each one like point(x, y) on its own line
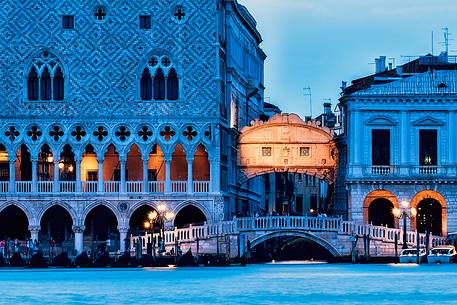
point(438, 82)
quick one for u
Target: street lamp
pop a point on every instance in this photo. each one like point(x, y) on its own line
point(161, 216)
point(404, 212)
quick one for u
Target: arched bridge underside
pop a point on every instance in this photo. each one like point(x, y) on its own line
point(307, 236)
point(287, 144)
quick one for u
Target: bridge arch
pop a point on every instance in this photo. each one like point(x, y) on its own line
point(299, 234)
point(287, 144)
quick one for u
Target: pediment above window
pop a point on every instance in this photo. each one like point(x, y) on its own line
point(428, 121)
point(384, 121)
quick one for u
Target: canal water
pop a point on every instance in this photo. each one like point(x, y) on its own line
point(256, 284)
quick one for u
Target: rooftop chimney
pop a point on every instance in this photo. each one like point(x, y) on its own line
point(327, 108)
point(380, 64)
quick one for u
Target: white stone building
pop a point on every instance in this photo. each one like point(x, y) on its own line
point(110, 109)
point(400, 132)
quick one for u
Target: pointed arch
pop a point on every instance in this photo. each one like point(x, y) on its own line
point(159, 85)
point(146, 85)
point(32, 85)
point(59, 85)
point(200, 164)
point(45, 85)
point(172, 85)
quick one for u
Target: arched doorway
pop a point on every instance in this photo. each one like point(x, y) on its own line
point(377, 208)
point(431, 212)
point(101, 231)
point(189, 215)
point(56, 234)
point(380, 213)
point(14, 224)
point(429, 216)
point(138, 219)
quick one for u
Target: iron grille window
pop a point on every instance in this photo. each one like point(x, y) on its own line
point(145, 22)
point(68, 22)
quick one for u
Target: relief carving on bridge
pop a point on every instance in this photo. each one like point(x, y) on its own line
point(287, 144)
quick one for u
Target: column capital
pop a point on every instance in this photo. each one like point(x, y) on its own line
point(78, 229)
point(123, 229)
point(167, 158)
point(35, 228)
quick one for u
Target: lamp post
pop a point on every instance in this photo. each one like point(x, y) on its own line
point(403, 212)
point(160, 217)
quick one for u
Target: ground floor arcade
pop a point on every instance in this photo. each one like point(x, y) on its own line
point(426, 209)
point(77, 226)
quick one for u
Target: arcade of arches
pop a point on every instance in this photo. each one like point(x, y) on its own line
point(100, 226)
point(110, 167)
point(430, 207)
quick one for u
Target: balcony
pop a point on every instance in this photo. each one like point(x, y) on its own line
point(401, 172)
point(382, 170)
point(109, 187)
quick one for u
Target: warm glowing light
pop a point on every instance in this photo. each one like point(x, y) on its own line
point(70, 168)
point(147, 225)
point(61, 165)
point(413, 212)
point(50, 159)
point(169, 215)
point(404, 204)
point(311, 210)
point(162, 207)
point(152, 215)
point(396, 212)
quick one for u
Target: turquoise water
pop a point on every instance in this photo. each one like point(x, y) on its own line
point(256, 284)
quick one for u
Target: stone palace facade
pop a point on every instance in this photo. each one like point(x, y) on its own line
point(110, 109)
point(401, 140)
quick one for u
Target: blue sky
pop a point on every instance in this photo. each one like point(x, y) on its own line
point(319, 43)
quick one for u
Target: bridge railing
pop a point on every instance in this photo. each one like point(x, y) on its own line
point(189, 234)
point(289, 222)
point(386, 234)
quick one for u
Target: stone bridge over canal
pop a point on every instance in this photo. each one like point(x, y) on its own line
point(233, 238)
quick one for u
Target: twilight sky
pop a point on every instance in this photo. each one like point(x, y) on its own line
point(319, 43)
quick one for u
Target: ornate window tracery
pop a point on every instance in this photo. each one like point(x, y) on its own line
point(159, 79)
point(45, 78)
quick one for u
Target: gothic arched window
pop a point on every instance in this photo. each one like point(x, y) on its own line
point(45, 85)
point(58, 85)
point(45, 79)
point(146, 85)
point(172, 85)
point(159, 85)
point(159, 79)
point(32, 85)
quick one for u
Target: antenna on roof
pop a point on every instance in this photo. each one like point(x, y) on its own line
point(446, 39)
point(307, 92)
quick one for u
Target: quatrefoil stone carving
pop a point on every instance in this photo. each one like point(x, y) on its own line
point(34, 133)
point(167, 133)
point(100, 133)
point(78, 133)
point(56, 133)
point(122, 133)
point(189, 133)
point(144, 133)
point(12, 133)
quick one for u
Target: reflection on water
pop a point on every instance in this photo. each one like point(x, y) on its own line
point(279, 283)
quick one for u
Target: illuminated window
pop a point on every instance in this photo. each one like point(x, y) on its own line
point(266, 151)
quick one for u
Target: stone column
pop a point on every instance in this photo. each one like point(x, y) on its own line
point(357, 137)
point(12, 183)
point(123, 231)
point(190, 178)
point(215, 175)
point(56, 176)
point(451, 169)
point(122, 161)
point(79, 239)
point(78, 174)
point(100, 174)
point(167, 175)
point(145, 174)
point(34, 231)
point(34, 174)
point(404, 144)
